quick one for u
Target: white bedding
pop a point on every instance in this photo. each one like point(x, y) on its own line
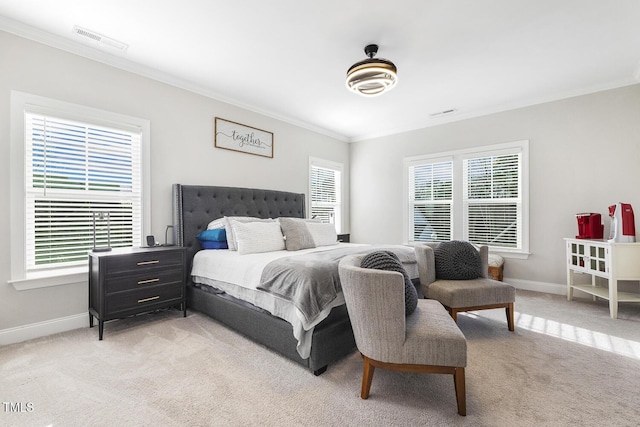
point(239, 276)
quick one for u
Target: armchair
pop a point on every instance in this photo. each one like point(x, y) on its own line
point(464, 295)
point(425, 341)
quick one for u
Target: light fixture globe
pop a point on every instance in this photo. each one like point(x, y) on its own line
point(373, 76)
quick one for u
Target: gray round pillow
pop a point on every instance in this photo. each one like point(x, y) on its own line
point(457, 260)
point(387, 260)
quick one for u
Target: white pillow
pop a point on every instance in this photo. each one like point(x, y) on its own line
point(323, 233)
point(217, 224)
point(231, 237)
point(256, 237)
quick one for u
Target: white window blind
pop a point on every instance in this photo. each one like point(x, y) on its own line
point(478, 194)
point(326, 197)
point(492, 200)
point(74, 169)
point(430, 201)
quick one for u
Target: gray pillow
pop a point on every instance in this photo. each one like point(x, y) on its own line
point(296, 234)
point(387, 260)
point(457, 260)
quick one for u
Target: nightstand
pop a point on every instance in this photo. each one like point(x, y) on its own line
point(344, 238)
point(128, 281)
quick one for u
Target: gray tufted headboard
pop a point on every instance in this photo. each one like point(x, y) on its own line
point(194, 206)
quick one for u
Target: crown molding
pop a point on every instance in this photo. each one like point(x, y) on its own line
point(90, 52)
point(462, 115)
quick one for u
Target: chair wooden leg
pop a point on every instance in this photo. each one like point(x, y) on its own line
point(454, 314)
point(367, 377)
point(510, 321)
point(461, 395)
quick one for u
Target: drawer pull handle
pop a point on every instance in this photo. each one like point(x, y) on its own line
point(144, 282)
point(148, 299)
point(148, 262)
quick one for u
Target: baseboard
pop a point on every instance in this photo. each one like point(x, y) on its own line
point(54, 326)
point(530, 285)
point(41, 329)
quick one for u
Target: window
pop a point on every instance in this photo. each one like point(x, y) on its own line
point(77, 164)
point(478, 195)
point(325, 189)
point(74, 169)
point(431, 201)
point(492, 200)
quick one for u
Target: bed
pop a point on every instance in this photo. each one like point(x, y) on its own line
point(195, 207)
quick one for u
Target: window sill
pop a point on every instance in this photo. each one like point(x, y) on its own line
point(511, 255)
point(51, 278)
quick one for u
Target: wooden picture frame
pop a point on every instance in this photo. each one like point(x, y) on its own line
point(246, 139)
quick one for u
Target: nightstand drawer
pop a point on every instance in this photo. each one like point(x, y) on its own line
point(141, 299)
point(128, 281)
point(147, 279)
point(144, 261)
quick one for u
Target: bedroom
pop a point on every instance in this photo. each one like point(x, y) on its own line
point(584, 156)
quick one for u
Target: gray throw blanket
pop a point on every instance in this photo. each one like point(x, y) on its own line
point(311, 281)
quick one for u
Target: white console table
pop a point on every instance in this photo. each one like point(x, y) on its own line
point(611, 261)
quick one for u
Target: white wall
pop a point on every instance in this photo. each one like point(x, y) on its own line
point(182, 151)
point(585, 153)
point(584, 156)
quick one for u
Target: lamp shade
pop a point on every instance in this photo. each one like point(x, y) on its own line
point(373, 76)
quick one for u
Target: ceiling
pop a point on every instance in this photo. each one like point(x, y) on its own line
point(288, 58)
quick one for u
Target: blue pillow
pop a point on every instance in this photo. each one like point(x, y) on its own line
point(210, 244)
point(217, 235)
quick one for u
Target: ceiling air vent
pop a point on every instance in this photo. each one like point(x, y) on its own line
point(443, 113)
point(99, 39)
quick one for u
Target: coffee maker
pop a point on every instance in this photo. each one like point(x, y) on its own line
point(623, 229)
point(589, 226)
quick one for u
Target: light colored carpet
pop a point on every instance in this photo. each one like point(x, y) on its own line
point(567, 363)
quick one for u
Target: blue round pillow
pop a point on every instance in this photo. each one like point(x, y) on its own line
point(387, 260)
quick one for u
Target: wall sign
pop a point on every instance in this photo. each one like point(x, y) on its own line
point(238, 137)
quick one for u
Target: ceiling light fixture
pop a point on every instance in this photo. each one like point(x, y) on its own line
point(373, 76)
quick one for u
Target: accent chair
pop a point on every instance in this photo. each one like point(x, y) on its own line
point(457, 296)
point(425, 341)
